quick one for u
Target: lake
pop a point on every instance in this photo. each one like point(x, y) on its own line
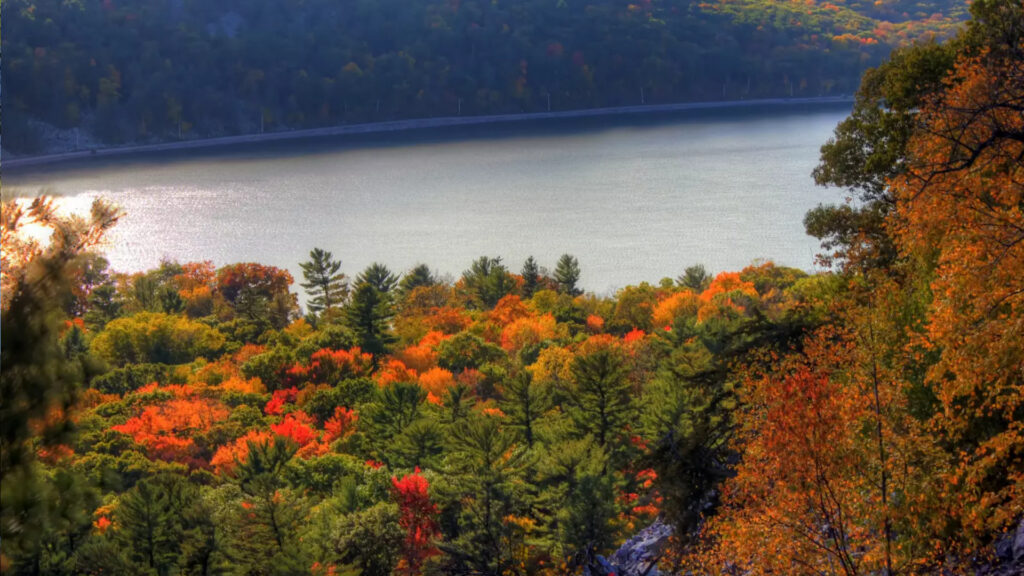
point(635, 197)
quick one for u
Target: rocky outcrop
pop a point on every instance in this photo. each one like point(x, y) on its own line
point(637, 556)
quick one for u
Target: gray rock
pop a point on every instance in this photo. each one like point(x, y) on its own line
point(640, 554)
point(1018, 543)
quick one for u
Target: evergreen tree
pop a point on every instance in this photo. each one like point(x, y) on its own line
point(523, 402)
point(398, 405)
point(695, 278)
point(567, 274)
point(368, 314)
point(531, 277)
point(601, 401)
point(149, 520)
point(485, 467)
point(378, 276)
point(486, 282)
point(104, 305)
point(326, 286)
point(419, 276)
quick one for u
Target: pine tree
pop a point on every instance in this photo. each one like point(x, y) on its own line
point(486, 467)
point(567, 274)
point(368, 315)
point(601, 403)
point(487, 281)
point(695, 278)
point(149, 519)
point(531, 277)
point(326, 286)
point(523, 402)
point(418, 276)
point(378, 276)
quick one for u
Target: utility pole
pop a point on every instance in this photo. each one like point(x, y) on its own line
point(642, 99)
point(460, 106)
point(549, 101)
point(261, 119)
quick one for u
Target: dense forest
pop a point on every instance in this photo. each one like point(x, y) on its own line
point(151, 70)
point(867, 420)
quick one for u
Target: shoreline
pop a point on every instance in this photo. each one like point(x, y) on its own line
point(400, 126)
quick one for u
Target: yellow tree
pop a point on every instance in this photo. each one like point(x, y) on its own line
point(962, 214)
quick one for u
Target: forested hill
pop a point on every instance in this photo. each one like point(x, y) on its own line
point(143, 70)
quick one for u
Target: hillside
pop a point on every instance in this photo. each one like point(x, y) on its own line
point(153, 70)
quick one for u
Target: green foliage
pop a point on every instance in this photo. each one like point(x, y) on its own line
point(600, 401)
point(524, 402)
point(368, 314)
point(567, 275)
point(150, 337)
point(485, 482)
point(486, 282)
point(869, 149)
point(370, 539)
point(465, 350)
point(325, 284)
point(419, 276)
point(531, 277)
point(398, 405)
point(695, 278)
point(282, 67)
point(129, 378)
point(150, 522)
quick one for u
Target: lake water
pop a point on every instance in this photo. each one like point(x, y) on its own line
point(634, 198)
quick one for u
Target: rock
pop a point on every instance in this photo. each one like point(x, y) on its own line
point(640, 554)
point(1018, 543)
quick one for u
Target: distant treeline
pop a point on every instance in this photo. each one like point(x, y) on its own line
point(138, 70)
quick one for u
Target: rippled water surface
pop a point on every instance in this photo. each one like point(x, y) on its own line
point(635, 198)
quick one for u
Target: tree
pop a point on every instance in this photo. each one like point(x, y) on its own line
point(418, 517)
point(869, 149)
point(326, 286)
point(600, 402)
point(960, 220)
point(378, 276)
point(524, 402)
point(531, 277)
point(567, 274)
point(486, 282)
point(695, 278)
point(149, 516)
point(368, 314)
point(38, 384)
point(484, 467)
point(419, 276)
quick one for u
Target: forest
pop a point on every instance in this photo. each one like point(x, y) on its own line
point(134, 71)
point(867, 420)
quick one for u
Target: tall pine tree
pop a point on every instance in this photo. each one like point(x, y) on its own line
point(325, 284)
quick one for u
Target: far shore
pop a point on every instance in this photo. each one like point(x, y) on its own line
point(396, 126)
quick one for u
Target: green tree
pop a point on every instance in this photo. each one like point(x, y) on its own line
point(325, 284)
point(485, 469)
point(695, 278)
point(531, 277)
point(368, 314)
point(869, 148)
point(420, 275)
point(486, 282)
point(600, 402)
point(524, 402)
point(567, 274)
point(378, 276)
point(150, 522)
